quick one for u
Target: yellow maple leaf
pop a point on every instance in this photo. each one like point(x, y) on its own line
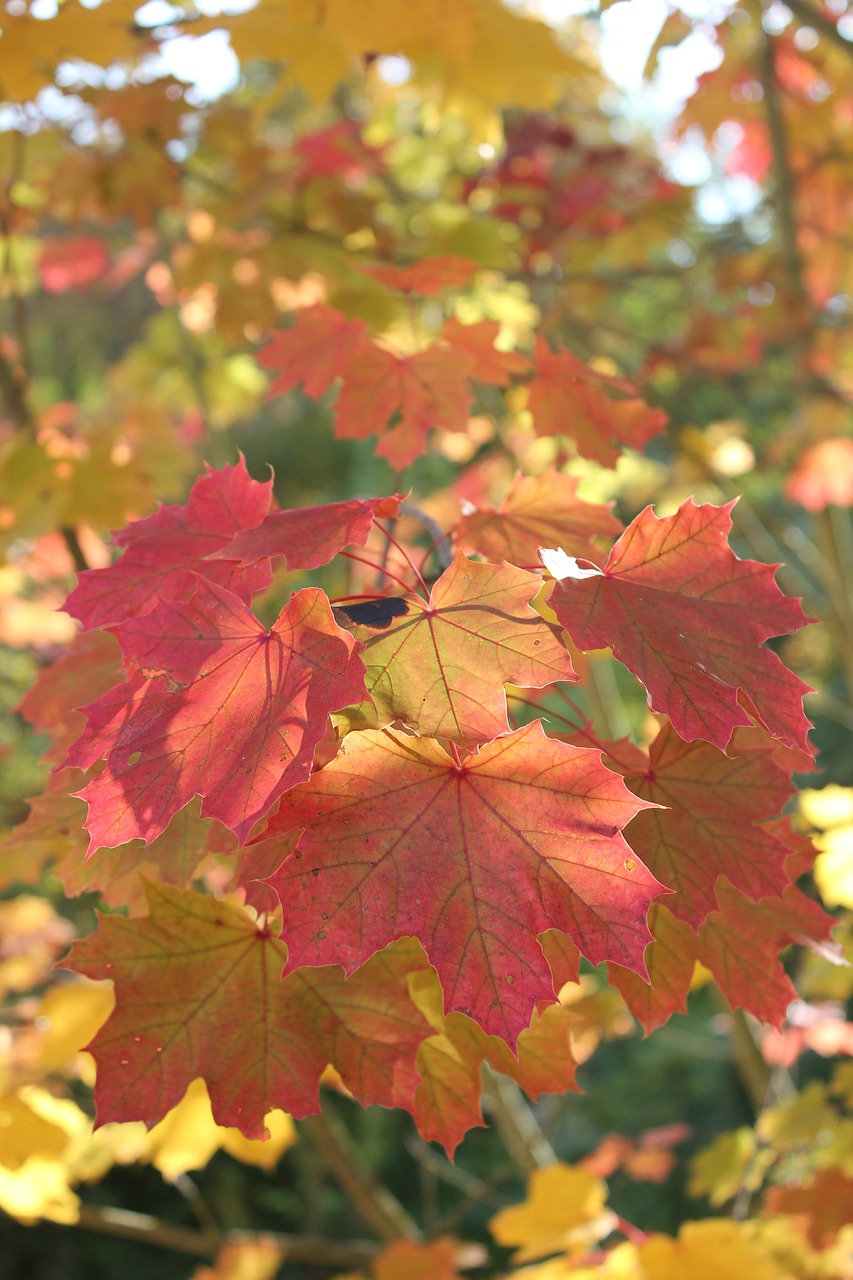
point(724, 1166)
point(716, 1249)
point(188, 1136)
point(564, 1210)
point(69, 1017)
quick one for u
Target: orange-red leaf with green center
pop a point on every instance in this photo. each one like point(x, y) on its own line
point(214, 706)
point(538, 511)
point(566, 397)
point(474, 859)
point(682, 612)
point(421, 392)
point(441, 666)
point(199, 993)
point(711, 825)
point(314, 351)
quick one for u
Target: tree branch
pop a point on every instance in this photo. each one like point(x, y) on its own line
point(516, 1123)
point(824, 26)
point(376, 1204)
point(142, 1227)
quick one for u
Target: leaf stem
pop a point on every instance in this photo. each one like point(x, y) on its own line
point(371, 564)
point(404, 553)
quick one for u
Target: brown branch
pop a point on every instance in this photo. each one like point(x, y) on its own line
point(13, 389)
point(376, 1204)
point(201, 1244)
point(783, 177)
point(515, 1122)
point(824, 26)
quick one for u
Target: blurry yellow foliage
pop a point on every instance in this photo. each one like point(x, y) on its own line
point(831, 812)
point(564, 1210)
point(188, 1136)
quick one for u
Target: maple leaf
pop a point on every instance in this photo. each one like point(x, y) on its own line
point(310, 536)
point(441, 666)
point(474, 859)
point(826, 1203)
point(486, 363)
point(116, 874)
point(429, 277)
point(314, 351)
point(715, 1247)
point(422, 392)
point(447, 1102)
point(682, 612)
point(164, 551)
point(741, 941)
point(438, 1260)
point(710, 825)
point(567, 397)
point(89, 666)
point(670, 964)
point(204, 672)
point(259, 1042)
point(538, 511)
point(565, 1211)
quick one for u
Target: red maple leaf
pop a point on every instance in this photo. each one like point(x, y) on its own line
point(739, 943)
point(259, 1042)
point(442, 664)
point(670, 962)
point(314, 351)
point(310, 536)
point(429, 277)
point(473, 858)
point(567, 397)
point(89, 666)
point(711, 825)
point(486, 363)
point(73, 263)
point(538, 511)
point(447, 1102)
point(421, 392)
point(164, 551)
point(682, 612)
point(206, 673)
point(225, 533)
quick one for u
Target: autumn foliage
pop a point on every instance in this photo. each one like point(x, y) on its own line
point(395, 475)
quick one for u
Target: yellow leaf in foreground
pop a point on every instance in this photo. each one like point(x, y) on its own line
point(188, 1136)
point(564, 1210)
point(39, 1189)
point(717, 1249)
